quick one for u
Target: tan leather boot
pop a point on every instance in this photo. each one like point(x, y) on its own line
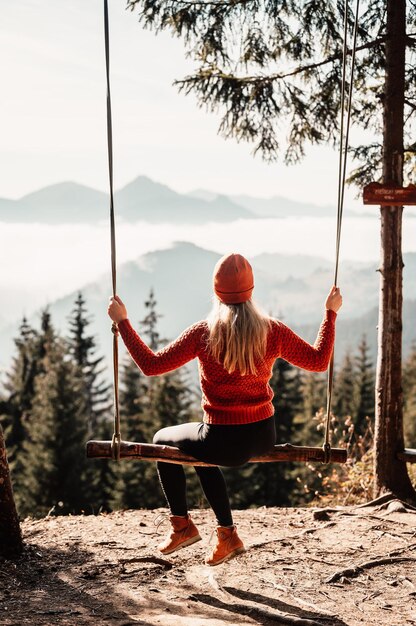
point(228, 545)
point(183, 533)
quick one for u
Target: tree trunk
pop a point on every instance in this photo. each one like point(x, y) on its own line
point(390, 473)
point(10, 535)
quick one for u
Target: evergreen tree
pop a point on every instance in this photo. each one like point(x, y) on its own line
point(345, 385)
point(309, 432)
point(19, 390)
point(314, 394)
point(54, 468)
point(27, 365)
point(365, 392)
point(82, 347)
point(45, 339)
point(173, 399)
point(149, 329)
point(150, 323)
point(96, 400)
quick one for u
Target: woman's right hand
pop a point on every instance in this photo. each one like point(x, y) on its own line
point(334, 300)
point(117, 310)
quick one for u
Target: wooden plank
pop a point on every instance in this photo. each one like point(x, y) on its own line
point(408, 455)
point(152, 452)
point(389, 195)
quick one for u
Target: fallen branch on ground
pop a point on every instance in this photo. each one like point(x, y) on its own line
point(355, 571)
point(386, 497)
point(383, 501)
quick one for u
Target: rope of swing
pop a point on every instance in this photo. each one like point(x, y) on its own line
point(116, 440)
point(342, 168)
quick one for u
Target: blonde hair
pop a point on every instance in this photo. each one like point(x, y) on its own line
point(237, 335)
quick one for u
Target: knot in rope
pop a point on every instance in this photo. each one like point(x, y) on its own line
point(115, 446)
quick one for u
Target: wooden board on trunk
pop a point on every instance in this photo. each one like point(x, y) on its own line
point(408, 455)
point(389, 195)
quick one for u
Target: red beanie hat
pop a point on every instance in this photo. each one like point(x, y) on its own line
point(233, 279)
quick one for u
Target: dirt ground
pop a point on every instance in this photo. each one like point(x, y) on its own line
point(333, 567)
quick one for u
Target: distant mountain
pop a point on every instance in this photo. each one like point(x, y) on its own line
point(142, 199)
point(146, 200)
point(277, 206)
point(62, 203)
point(181, 277)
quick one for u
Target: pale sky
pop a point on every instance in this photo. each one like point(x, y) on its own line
point(52, 122)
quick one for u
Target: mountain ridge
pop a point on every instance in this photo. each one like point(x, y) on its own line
point(144, 199)
point(140, 200)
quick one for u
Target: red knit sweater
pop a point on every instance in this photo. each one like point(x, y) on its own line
point(232, 398)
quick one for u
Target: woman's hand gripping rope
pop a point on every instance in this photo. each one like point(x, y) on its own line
point(117, 310)
point(334, 300)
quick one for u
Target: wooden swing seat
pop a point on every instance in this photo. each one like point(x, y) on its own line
point(169, 454)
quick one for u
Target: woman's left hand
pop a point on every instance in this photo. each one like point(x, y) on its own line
point(117, 310)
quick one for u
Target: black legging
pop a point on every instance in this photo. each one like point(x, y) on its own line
point(229, 446)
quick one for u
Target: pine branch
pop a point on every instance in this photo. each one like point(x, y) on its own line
point(274, 77)
point(371, 159)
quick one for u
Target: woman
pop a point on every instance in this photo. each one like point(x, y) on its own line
point(236, 348)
